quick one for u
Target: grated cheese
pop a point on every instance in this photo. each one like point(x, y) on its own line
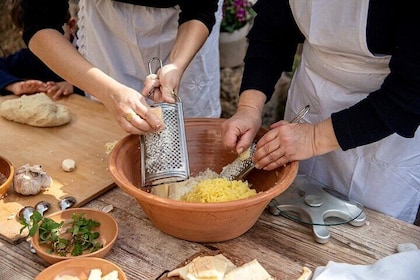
point(109, 146)
point(218, 190)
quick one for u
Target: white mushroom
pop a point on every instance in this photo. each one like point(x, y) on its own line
point(31, 179)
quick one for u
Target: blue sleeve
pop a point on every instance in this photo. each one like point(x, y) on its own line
point(6, 68)
point(23, 65)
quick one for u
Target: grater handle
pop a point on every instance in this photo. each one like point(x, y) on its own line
point(160, 65)
point(151, 63)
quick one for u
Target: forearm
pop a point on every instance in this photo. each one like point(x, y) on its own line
point(252, 99)
point(191, 37)
point(325, 140)
point(58, 53)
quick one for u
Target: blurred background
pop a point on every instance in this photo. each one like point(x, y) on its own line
point(11, 41)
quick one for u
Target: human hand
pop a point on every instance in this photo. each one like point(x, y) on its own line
point(56, 90)
point(27, 87)
point(287, 142)
point(238, 132)
point(163, 86)
point(284, 142)
point(131, 111)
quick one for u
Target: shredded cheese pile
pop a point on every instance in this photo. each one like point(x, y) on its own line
point(218, 190)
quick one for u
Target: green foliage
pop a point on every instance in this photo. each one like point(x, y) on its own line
point(73, 236)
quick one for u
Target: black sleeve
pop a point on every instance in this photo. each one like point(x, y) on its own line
point(41, 14)
point(273, 40)
point(395, 107)
point(202, 10)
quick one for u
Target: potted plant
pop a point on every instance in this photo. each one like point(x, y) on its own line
point(236, 15)
point(236, 22)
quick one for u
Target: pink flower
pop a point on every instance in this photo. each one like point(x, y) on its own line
point(236, 14)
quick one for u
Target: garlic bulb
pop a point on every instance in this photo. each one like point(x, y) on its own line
point(31, 179)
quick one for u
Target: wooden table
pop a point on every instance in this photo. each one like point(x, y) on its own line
point(282, 246)
point(83, 139)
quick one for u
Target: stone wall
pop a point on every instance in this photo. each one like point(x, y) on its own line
point(10, 38)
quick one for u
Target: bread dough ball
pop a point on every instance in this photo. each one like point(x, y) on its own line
point(35, 110)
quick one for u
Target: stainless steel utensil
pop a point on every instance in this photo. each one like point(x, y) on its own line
point(239, 168)
point(164, 156)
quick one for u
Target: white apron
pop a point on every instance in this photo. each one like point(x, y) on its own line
point(121, 38)
point(336, 71)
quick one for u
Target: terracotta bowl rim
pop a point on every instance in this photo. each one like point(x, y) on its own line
point(107, 247)
point(11, 173)
point(77, 260)
point(140, 194)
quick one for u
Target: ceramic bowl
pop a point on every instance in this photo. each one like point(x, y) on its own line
point(200, 222)
point(7, 170)
point(108, 232)
point(79, 267)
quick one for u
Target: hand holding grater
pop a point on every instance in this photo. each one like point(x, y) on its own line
point(164, 156)
point(241, 166)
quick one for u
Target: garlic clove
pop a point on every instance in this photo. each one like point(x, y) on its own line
point(68, 165)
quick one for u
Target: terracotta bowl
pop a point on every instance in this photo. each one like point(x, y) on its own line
point(7, 169)
point(79, 267)
point(200, 222)
point(108, 232)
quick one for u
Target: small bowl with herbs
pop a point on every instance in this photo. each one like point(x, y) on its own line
point(6, 175)
point(72, 233)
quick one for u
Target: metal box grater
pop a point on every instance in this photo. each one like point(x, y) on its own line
point(164, 155)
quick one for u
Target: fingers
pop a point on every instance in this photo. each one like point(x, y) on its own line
point(283, 144)
point(129, 116)
point(238, 132)
point(141, 121)
point(168, 95)
point(269, 154)
point(150, 84)
point(30, 87)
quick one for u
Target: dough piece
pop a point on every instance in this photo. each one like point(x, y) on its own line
point(245, 154)
point(251, 270)
point(306, 274)
point(157, 111)
point(207, 267)
point(68, 165)
point(35, 110)
point(113, 275)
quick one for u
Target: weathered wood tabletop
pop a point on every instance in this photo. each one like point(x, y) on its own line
point(282, 246)
point(83, 139)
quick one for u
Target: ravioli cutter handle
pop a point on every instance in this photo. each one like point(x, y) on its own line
point(301, 114)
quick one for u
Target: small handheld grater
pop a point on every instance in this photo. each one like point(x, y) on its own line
point(240, 167)
point(164, 156)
